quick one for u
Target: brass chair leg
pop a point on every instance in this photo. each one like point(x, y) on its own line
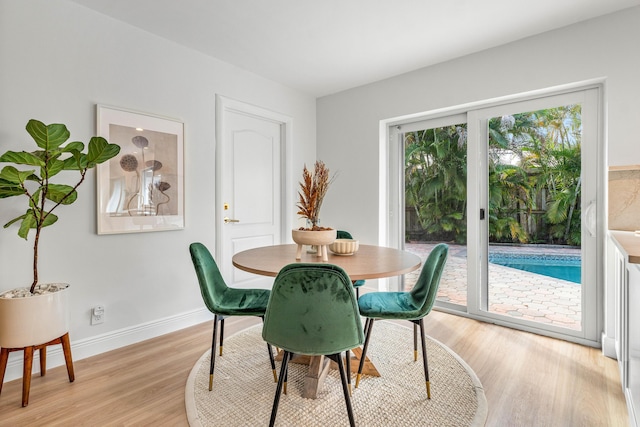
point(213, 351)
point(273, 363)
point(415, 342)
point(281, 383)
point(343, 377)
point(424, 358)
point(221, 333)
point(271, 359)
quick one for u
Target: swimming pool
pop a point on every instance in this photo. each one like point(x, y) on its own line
point(565, 267)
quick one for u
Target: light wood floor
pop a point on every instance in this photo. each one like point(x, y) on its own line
point(528, 380)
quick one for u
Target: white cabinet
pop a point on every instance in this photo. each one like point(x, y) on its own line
point(626, 284)
point(632, 389)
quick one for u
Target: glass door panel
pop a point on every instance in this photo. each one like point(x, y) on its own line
point(534, 217)
point(435, 186)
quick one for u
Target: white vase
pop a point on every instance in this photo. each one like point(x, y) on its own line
point(34, 320)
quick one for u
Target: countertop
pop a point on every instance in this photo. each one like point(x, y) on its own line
point(629, 242)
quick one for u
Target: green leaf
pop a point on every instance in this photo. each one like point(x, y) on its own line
point(100, 151)
point(49, 220)
point(22, 158)
point(15, 176)
point(48, 137)
point(72, 146)
point(9, 189)
point(54, 167)
point(7, 225)
point(28, 222)
point(57, 192)
point(76, 162)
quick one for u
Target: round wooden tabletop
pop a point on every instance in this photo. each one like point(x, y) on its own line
point(370, 262)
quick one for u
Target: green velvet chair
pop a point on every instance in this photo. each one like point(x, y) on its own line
point(412, 306)
point(341, 234)
point(224, 301)
point(313, 311)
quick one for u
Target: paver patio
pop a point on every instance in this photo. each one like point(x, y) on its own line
point(512, 292)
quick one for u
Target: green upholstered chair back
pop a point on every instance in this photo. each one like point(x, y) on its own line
point(341, 234)
point(425, 290)
point(312, 310)
point(212, 285)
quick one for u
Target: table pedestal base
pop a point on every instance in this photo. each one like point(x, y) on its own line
point(319, 368)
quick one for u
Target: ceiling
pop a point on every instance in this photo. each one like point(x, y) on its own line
point(325, 46)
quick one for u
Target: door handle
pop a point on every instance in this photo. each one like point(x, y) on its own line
point(228, 220)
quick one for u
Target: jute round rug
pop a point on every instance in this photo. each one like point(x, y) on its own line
point(243, 387)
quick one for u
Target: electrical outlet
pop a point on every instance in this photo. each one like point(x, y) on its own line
point(97, 315)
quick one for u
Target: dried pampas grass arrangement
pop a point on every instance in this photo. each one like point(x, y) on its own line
point(313, 188)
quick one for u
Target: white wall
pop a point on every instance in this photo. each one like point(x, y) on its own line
point(348, 122)
point(57, 61)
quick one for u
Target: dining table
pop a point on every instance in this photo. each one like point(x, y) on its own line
point(368, 262)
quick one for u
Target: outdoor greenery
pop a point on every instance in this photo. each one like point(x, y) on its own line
point(534, 179)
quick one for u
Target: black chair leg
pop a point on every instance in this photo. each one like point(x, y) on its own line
point(213, 351)
point(221, 333)
point(271, 360)
point(347, 361)
point(424, 359)
point(286, 374)
point(343, 377)
point(281, 380)
point(415, 342)
point(368, 329)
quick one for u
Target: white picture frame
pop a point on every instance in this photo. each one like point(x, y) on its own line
point(142, 188)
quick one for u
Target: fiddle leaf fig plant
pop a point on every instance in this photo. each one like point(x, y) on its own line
point(42, 195)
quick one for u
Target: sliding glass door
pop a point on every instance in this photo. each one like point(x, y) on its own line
point(536, 264)
point(513, 189)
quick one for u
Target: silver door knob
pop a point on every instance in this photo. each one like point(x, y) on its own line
point(228, 220)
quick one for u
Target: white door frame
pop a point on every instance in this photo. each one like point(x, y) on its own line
point(390, 191)
point(224, 106)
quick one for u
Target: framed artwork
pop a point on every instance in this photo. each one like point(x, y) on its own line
point(142, 188)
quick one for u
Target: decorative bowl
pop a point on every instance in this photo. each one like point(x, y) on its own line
point(344, 246)
point(314, 237)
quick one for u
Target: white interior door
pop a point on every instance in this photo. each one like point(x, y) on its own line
point(249, 189)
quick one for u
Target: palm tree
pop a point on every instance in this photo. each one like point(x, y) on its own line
point(534, 178)
point(435, 180)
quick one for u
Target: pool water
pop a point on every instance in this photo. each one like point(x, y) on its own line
point(559, 267)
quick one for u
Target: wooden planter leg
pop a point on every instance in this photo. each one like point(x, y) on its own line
point(28, 363)
point(4, 357)
point(66, 348)
point(26, 374)
point(43, 361)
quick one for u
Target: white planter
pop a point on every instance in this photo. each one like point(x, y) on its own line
point(34, 320)
point(319, 238)
point(315, 237)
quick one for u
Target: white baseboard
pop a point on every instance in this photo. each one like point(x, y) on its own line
point(609, 346)
point(98, 344)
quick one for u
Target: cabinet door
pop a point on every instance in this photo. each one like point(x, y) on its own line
point(620, 300)
point(633, 334)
